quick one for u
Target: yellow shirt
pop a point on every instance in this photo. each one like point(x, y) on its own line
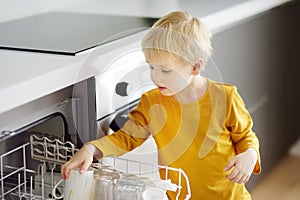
point(200, 138)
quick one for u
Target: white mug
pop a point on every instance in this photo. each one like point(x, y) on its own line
point(153, 193)
point(77, 186)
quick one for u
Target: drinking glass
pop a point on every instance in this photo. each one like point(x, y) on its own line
point(104, 181)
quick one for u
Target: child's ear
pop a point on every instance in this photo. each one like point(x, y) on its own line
point(197, 67)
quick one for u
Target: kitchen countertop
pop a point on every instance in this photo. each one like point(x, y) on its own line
point(27, 76)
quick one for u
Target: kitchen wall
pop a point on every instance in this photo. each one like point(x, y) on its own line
point(14, 9)
point(260, 57)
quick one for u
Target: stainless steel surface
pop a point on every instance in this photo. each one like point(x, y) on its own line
point(30, 114)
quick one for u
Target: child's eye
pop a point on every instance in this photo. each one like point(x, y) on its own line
point(150, 67)
point(166, 71)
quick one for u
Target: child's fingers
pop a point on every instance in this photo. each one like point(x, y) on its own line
point(84, 167)
point(230, 164)
point(244, 179)
point(238, 175)
point(66, 168)
point(233, 174)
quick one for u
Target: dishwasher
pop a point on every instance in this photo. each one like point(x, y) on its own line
point(36, 173)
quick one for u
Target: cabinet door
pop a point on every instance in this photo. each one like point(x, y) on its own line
point(259, 57)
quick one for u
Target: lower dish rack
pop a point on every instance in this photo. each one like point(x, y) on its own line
point(27, 183)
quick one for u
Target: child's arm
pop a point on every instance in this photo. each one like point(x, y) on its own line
point(243, 165)
point(82, 160)
point(246, 144)
point(131, 135)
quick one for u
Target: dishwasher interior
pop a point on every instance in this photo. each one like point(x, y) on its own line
point(30, 159)
point(30, 162)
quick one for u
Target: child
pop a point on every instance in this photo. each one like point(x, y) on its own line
point(199, 125)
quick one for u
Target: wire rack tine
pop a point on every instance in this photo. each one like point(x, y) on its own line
point(54, 151)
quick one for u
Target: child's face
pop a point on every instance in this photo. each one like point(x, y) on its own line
point(170, 74)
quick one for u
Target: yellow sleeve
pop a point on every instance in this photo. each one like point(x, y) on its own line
point(240, 125)
point(131, 135)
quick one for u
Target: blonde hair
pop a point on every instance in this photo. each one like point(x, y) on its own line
point(180, 34)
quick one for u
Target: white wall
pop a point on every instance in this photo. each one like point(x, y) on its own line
point(14, 9)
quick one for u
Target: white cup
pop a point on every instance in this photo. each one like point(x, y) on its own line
point(77, 186)
point(152, 193)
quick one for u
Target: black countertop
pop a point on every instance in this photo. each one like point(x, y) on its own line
point(67, 33)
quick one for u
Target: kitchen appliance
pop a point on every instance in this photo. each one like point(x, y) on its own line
point(26, 172)
point(23, 182)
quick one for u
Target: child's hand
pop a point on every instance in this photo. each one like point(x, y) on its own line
point(243, 165)
point(82, 159)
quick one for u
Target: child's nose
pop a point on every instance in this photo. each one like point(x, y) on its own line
point(156, 77)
